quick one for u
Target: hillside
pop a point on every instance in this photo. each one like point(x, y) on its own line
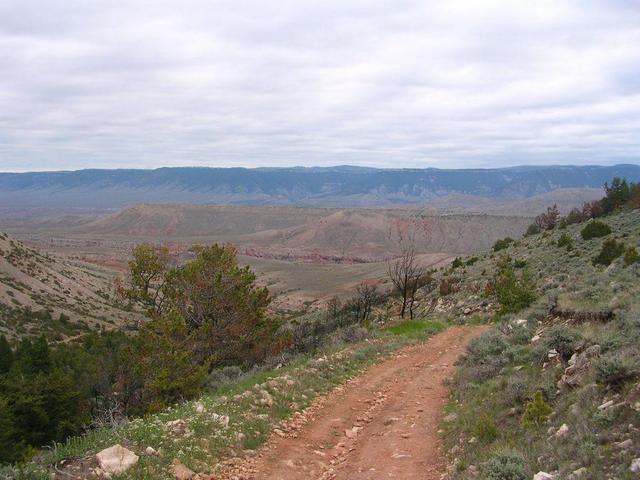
point(329, 187)
point(577, 344)
point(288, 231)
point(44, 294)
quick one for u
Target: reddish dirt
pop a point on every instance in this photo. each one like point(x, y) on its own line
point(382, 424)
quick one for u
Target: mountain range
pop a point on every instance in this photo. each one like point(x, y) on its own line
point(342, 186)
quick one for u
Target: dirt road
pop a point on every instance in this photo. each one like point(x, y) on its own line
point(382, 424)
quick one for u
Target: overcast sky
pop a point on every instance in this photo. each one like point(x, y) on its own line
point(387, 83)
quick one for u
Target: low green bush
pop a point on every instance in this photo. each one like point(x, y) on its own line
point(611, 249)
point(566, 241)
point(615, 370)
point(562, 339)
point(502, 244)
point(595, 229)
point(505, 465)
point(532, 229)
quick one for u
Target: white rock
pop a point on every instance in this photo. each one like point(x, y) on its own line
point(535, 339)
point(543, 476)
point(552, 354)
point(150, 451)
point(177, 427)
point(563, 431)
point(221, 419)
point(200, 407)
point(520, 322)
point(635, 465)
point(578, 473)
point(116, 459)
point(181, 471)
point(628, 443)
point(605, 405)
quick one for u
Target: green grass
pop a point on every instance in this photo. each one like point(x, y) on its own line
point(416, 329)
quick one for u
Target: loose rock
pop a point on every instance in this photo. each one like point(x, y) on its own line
point(115, 460)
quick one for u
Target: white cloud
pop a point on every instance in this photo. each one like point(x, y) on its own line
point(405, 83)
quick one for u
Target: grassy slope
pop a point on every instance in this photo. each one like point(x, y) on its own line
point(503, 369)
point(254, 406)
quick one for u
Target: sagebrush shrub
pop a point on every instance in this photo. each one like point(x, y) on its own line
point(615, 370)
point(562, 339)
point(505, 465)
point(611, 249)
point(595, 229)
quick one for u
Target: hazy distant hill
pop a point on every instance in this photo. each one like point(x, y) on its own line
point(332, 186)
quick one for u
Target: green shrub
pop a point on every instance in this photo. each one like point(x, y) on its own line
point(595, 229)
point(502, 244)
point(485, 429)
point(562, 339)
point(611, 249)
point(615, 370)
point(536, 413)
point(514, 291)
point(457, 262)
point(565, 240)
point(532, 229)
point(631, 256)
point(505, 465)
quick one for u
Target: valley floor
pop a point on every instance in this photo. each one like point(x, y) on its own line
point(381, 424)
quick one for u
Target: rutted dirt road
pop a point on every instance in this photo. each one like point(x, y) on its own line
point(382, 424)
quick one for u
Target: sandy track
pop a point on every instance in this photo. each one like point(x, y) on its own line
point(382, 424)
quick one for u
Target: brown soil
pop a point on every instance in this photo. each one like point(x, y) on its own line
point(382, 424)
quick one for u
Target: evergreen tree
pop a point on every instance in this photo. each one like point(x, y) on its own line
point(6, 355)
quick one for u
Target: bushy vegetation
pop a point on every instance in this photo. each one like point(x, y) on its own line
point(565, 241)
point(205, 316)
point(631, 256)
point(505, 465)
point(595, 229)
point(502, 244)
point(514, 290)
point(611, 249)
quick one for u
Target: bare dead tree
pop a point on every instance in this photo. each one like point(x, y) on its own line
point(367, 296)
point(407, 276)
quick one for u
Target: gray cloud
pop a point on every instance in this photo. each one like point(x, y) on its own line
point(403, 83)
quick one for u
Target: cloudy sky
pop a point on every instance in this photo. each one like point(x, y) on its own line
point(384, 83)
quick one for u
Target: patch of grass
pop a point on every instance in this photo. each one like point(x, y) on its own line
point(416, 329)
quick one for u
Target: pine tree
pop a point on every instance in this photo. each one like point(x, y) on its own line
point(6, 355)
